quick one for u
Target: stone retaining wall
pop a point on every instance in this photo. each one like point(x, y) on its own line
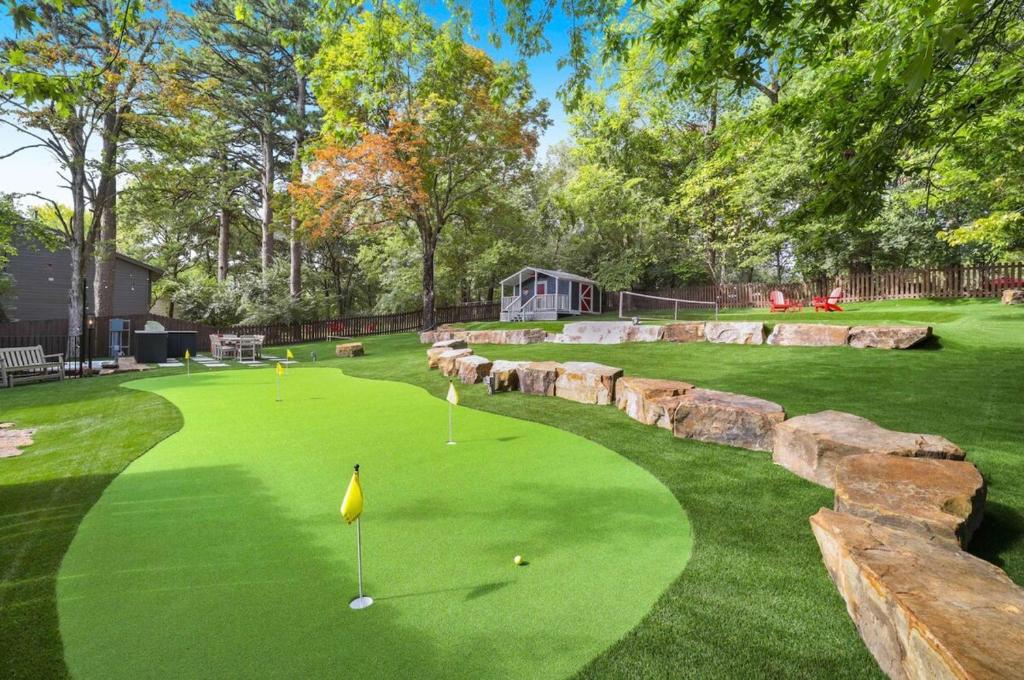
point(905, 504)
point(729, 332)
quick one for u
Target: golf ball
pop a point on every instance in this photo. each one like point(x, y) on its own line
point(517, 560)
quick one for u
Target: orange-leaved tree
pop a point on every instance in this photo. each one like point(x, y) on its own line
point(418, 127)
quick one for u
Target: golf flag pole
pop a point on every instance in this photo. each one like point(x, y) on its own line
point(351, 511)
point(453, 401)
point(188, 363)
point(279, 369)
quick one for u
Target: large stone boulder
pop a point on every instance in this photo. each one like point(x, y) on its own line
point(349, 349)
point(888, 337)
point(587, 382)
point(811, 446)
point(607, 333)
point(428, 337)
point(809, 335)
point(450, 344)
point(942, 500)
point(684, 331)
point(446, 360)
point(642, 398)
point(539, 377)
point(1013, 296)
point(735, 332)
point(725, 418)
point(505, 375)
point(923, 610)
point(523, 336)
point(434, 355)
point(472, 369)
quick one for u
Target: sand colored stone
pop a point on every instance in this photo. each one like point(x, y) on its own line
point(724, 418)
point(587, 382)
point(13, 440)
point(1013, 296)
point(505, 375)
point(809, 335)
point(888, 337)
point(812, 445)
point(450, 344)
point(942, 500)
point(684, 331)
point(734, 332)
point(539, 377)
point(607, 333)
point(446, 361)
point(349, 349)
point(642, 398)
point(512, 336)
point(923, 610)
point(472, 369)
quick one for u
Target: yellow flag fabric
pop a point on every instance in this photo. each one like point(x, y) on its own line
point(352, 504)
point(280, 368)
point(187, 355)
point(288, 355)
point(453, 396)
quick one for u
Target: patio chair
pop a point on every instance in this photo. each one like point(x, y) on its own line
point(830, 303)
point(259, 345)
point(219, 349)
point(247, 346)
point(779, 303)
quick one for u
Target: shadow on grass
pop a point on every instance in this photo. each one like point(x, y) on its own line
point(1001, 530)
point(37, 524)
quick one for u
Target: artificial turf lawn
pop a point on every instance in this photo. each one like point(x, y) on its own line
point(754, 599)
point(221, 552)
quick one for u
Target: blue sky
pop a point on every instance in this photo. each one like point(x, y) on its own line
point(34, 170)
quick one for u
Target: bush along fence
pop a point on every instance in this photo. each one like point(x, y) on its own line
point(938, 282)
point(53, 334)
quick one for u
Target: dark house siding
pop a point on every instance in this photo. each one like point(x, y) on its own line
point(41, 279)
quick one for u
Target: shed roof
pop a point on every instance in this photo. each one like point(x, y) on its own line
point(549, 272)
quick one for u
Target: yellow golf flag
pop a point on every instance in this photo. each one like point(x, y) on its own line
point(280, 368)
point(352, 504)
point(187, 355)
point(453, 396)
point(288, 355)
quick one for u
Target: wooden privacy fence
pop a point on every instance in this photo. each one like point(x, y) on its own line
point(54, 333)
point(937, 282)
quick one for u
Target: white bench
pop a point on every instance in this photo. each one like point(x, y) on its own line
point(29, 364)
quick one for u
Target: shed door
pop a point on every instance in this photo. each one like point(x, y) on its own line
point(586, 297)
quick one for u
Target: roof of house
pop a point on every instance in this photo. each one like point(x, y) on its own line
point(552, 273)
point(139, 263)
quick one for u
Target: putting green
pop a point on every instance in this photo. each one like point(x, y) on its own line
point(221, 552)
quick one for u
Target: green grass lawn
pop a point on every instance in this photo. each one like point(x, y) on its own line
point(754, 599)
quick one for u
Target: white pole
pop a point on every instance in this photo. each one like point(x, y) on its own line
point(450, 440)
point(359, 553)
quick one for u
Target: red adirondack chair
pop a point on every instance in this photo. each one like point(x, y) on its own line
point(779, 303)
point(830, 303)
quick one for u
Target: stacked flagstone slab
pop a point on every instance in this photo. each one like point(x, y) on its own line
point(724, 418)
point(684, 331)
point(644, 399)
point(734, 332)
point(513, 336)
point(924, 610)
point(349, 349)
point(607, 333)
point(505, 375)
point(472, 369)
point(446, 361)
point(811, 446)
point(809, 335)
point(1013, 296)
point(888, 337)
point(439, 348)
point(539, 377)
point(941, 500)
point(587, 382)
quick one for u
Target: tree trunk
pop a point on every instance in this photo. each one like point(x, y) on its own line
point(266, 194)
point(429, 245)
point(295, 273)
point(223, 243)
point(106, 245)
point(76, 246)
